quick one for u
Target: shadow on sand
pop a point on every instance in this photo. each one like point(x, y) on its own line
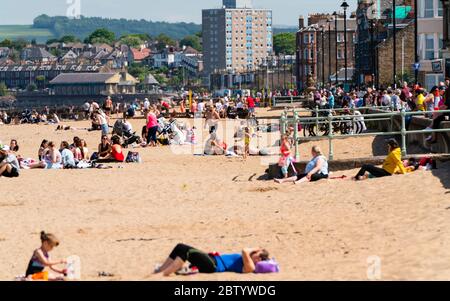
point(443, 173)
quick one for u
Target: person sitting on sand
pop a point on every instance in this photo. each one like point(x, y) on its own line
point(9, 165)
point(392, 164)
point(13, 146)
point(116, 153)
point(316, 169)
point(79, 149)
point(68, 160)
point(51, 158)
point(214, 146)
point(41, 260)
point(42, 149)
point(245, 262)
point(104, 148)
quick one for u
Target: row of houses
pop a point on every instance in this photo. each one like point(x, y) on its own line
point(370, 43)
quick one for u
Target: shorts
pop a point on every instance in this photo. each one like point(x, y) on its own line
point(14, 173)
point(251, 110)
point(50, 165)
point(105, 129)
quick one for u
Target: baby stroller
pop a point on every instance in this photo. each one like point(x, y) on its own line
point(128, 137)
point(26, 117)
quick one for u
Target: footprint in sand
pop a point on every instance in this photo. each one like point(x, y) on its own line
point(263, 189)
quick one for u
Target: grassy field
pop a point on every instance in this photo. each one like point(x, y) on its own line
point(26, 32)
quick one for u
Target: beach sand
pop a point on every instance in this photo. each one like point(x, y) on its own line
point(125, 220)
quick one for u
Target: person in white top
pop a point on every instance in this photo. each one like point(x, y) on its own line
point(200, 106)
point(386, 100)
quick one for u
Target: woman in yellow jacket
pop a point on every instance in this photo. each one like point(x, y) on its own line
point(392, 164)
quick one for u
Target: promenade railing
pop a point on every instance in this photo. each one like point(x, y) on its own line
point(280, 100)
point(331, 119)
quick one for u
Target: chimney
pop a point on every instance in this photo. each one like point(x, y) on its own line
point(301, 22)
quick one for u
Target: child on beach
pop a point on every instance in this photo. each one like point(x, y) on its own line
point(41, 260)
point(247, 138)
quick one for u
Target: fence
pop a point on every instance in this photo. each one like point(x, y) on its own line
point(276, 100)
point(330, 119)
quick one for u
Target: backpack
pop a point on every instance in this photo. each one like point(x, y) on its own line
point(268, 266)
point(133, 157)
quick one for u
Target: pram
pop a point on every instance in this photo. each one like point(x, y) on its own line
point(128, 137)
point(169, 132)
point(26, 117)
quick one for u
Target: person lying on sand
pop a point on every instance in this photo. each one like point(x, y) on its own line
point(41, 260)
point(245, 262)
point(316, 169)
point(392, 164)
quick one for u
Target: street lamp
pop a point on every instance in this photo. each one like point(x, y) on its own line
point(329, 49)
point(394, 24)
point(416, 42)
point(323, 54)
point(344, 5)
point(335, 14)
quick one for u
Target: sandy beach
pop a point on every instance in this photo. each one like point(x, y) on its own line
point(125, 220)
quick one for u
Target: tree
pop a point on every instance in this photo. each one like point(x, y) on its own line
point(3, 89)
point(131, 41)
point(69, 39)
point(192, 41)
point(6, 43)
point(31, 87)
point(101, 35)
point(51, 41)
point(284, 43)
point(163, 41)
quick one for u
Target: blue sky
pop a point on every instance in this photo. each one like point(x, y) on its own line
point(286, 12)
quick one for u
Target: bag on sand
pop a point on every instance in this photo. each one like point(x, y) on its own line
point(133, 157)
point(267, 266)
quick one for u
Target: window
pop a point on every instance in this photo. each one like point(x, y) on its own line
point(440, 10)
point(429, 47)
point(428, 9)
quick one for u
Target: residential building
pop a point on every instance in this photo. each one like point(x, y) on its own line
point(375, 26)
point(91, 84)
point(316, 49)
point(4, 52)
point(20, 76)
point(37, 55)
point(236, 38)
point(430, 42)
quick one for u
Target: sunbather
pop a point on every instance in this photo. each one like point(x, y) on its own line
point(244, 262)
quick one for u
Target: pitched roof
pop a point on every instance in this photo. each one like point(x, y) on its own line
point(190, 50)
point(81, 78)
point(38, 53)
point(150, 80)
point(139, 54)
point(70, 55)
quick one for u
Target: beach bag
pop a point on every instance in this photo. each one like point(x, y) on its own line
point(133, 157)
point(267, 266)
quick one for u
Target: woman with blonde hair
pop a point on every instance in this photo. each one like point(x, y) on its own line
point(316, 169)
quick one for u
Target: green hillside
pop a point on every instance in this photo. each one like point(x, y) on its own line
point(26, 32)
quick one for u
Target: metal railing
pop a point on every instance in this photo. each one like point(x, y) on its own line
point(287, 99)
point(330, 119)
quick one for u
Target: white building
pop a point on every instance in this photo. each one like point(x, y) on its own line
point(430, 35)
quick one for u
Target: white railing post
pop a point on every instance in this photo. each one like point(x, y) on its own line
point(330, 136)
point(297, 151)
point(403, 131)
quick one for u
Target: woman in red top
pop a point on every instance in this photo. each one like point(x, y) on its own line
point(116, 152)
